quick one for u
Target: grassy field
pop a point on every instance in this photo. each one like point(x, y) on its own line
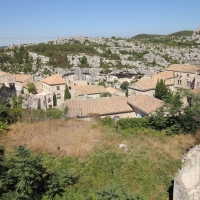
point(92, 151)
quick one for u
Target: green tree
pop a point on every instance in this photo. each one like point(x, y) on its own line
point(83, 60)
point(175, 116)
point(161, 90)
point(26, 177)
point(102, 83)
point(54, 100)
point(31, 88)
point(124, 85)
point(67, 94)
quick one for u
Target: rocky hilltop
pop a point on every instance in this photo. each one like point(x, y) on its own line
point(146, 55)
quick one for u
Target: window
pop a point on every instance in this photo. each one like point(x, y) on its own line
point(58, 87)
point(188, 83)
point(179, 82)
point(58, 96)
point(188, 75)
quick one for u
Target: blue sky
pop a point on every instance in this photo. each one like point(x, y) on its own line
point(42, 20)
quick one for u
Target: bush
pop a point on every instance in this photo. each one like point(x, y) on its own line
point(174, 129)
point(105, 94)
point(133, 122)
point(54, 113)
point(124, 85)
point(31, 88)
point(107, 121)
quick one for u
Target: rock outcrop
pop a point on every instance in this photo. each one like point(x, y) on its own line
point(187, 179)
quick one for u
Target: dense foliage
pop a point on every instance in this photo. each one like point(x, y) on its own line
point(23, 176)
point(175, 116)
point(161, 90)
point(31, 88)
point(124, 85)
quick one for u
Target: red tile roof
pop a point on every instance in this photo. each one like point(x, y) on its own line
point(183, 68)
point(101, 106)
point(21, 77)
point(89, 89)
point(147, 104)
point(54, 80)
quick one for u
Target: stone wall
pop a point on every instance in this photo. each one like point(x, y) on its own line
point(187, 179)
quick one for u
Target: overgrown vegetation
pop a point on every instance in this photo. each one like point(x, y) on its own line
point(23, 176)
point(144, 171)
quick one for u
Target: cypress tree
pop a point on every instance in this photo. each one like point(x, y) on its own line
point(161, 89)
point(67, 94)
point(54, 100)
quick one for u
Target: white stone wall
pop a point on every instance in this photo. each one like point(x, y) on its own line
point(187, 179)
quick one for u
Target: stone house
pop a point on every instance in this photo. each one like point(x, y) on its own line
point(6, 77)
point(186, 76)
point(21, 81)
point(54, 84)
point(105, 106)
point(147, 85)
point(144, 105)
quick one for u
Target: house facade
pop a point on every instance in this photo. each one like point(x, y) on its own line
point(54, 84)
point(186, 76)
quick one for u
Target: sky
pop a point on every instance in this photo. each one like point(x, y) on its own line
point(35, 21)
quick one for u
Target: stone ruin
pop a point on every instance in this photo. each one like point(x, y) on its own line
point(187, 179)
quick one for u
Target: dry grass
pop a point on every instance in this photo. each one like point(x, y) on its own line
point(58, 137)
point(79, 137)
point(171, 146)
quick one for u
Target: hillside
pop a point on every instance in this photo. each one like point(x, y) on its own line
point(92, 151)
point(145, 36)
point(143, 54)
point(182, 33)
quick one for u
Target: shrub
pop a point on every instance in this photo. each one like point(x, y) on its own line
point(107, 121)
point(133, 122)
point(124, 85)
point(54, 113)
point(102, 83)
point(105, 94)
point(31, 88)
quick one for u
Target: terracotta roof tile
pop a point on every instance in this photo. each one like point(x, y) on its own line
point(54, 80)
point(101, 106)
point(149, 83)
point(147, 104)
point(164, 75)
point(89, 89)
point(183, 68)
point(21, 77)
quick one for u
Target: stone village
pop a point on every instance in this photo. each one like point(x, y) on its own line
point(85, 97)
